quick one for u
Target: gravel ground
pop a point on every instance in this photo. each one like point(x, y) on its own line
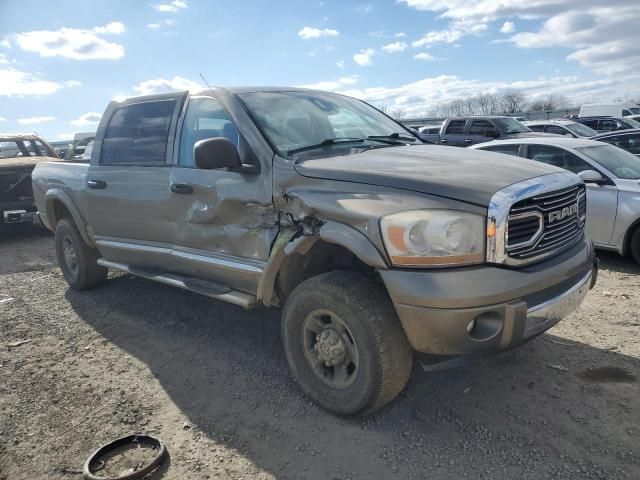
point(211, 380)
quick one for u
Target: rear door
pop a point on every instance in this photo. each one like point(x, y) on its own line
point(602, 199)
point(454, 134)
point(225, 221)
point(478, 132)
point(127, 192)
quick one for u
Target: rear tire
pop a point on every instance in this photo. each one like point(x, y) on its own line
point(635, 245)
point(343, 318)
point(77, 260)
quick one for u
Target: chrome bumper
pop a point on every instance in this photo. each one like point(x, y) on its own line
point(544, 316)
point(17, 216)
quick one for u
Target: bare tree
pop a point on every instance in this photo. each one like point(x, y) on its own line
point(399, 114)
point(549, 103)
point(513, 101)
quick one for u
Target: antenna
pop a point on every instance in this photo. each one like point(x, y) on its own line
point(205, 82)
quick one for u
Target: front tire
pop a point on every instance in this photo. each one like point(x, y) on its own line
point(344, 343)
point(77, 260)
point(635, 245)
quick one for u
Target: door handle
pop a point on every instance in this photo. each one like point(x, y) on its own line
point(181, 188)
point(96, 184)
point(443, 140)
point(468, 140)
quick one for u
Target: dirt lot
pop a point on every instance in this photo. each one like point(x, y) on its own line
point(211, 380)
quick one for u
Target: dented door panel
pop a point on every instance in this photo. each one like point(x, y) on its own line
point(225, 228)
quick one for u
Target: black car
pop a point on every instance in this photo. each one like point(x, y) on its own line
point(628, 140)
point(608, 124)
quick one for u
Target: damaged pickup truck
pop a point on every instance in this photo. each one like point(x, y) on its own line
point(374, 244)
point(19, 154)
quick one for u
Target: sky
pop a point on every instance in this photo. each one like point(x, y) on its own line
point(62, 61)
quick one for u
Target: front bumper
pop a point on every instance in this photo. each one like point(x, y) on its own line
point(547, 293)
point(18, 216)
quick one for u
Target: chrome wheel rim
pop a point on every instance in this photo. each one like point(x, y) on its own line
point(69, 253)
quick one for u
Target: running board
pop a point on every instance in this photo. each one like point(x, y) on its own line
point(210, 289)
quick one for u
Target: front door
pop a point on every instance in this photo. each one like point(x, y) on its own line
point(225, 221)
point(127, 183)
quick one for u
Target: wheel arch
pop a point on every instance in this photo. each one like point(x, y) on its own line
point(626, 243)
point(59, 206)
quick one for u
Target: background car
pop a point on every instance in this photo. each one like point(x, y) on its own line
point(562, 127)
point(608, 124)
point(77, 151)
point(465, 131)
point(613, 109)
point(611, 175)
point(628, 140)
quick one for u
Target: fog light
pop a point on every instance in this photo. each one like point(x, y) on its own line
point(472, 325)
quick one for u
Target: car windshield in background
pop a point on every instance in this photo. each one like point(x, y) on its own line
point(633, 123)
point(293, 121)
point(619, 162)
point(580, 129)
point(511, 125)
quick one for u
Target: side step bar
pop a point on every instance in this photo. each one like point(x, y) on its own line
point(210, 289)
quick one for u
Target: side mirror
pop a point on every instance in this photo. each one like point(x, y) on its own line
point(217, 152)
point(491, 133)
point(590, 176)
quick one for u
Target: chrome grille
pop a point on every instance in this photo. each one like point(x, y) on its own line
point(545, 224)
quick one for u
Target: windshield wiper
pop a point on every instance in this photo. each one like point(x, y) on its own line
point(324, 143)
point(395, 136)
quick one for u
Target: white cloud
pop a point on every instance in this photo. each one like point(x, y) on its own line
point(455, 32)
point(307, 33)
point(340, 64)
point(364, 8)
point(16, 82)
point(333, 85)
point(400, 35)
point(424, 56)
point(2, 119)
point(161, 85)
point(172, 7)
point(153, 26)
point(78, 44)
point(5, 43)
point(34, 120)
point(3, 58)
point(89, 118)
point(364, 57)
point(602, 35)
point(395, 47)
point(508, 27)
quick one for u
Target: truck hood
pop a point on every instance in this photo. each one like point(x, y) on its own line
point(470, 176)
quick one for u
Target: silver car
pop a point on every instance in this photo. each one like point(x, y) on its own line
point(561, 127)
point(611, 175)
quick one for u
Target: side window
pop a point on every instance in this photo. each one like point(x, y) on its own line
point(511, 149)
point(626, 112)
point(557, 130)
point(137, 134)
point(205, 118)
point(591, 123)
point(608, 125)
point(479, 127)
point(630, 143)
point(536, 128)
point(455, 127)
point(558, 158)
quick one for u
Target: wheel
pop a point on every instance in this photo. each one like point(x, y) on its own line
point(344, 343)
point(77, 260)
point(635, 245)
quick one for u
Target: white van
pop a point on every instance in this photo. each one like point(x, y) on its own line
point(614, 109)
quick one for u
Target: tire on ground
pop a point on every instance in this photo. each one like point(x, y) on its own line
point(635, 244)
point(385, 356)
point(86, 273)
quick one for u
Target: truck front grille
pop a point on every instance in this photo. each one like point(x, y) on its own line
point(546, 224)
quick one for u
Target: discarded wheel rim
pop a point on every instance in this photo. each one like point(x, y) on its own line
point(94, 459)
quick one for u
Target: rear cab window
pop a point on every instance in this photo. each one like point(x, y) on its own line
point(138, 134)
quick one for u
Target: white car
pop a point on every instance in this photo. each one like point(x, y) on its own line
point(561, 127)
point(612, 177)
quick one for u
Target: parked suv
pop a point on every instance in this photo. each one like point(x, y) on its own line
point(374, 243)
point(608, 124)
point(611, 175)
point(465, 131)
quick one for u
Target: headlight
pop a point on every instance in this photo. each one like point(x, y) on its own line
point(434, 237)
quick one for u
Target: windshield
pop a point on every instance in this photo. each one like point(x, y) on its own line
point(635, 110)
point(619, 162)
point(632, 123)
point(510, 125)
point(294, 120)
point(580, 129)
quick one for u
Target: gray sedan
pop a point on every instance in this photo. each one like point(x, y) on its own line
point(611, 175)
